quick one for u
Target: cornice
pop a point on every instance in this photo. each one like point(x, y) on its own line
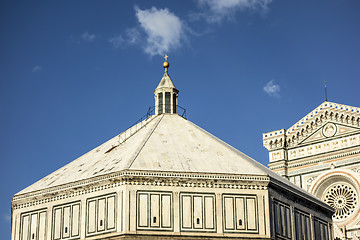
point(294, 190)
point(323, 166)
point(199, 180)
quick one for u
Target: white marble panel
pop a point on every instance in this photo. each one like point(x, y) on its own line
point(42, 225)
point(66, 222)
point(186, 212)
point(143, 210)
point(92, 216)
point(25, 227)
point(166, 211)
point(240, 213)
point(75, 220)
point(251, 214)
point(57, 223)
point(111, 212)
point(198, 212)
point(229, 212)
point(209, 212)
point(154, 210)
point(101, 214)
point(34, 224)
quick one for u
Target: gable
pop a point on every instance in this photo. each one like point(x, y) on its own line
point(325, 121)
point(328, 131)
point(329, 120)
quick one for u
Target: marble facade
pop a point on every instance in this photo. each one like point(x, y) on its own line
point(321, 154)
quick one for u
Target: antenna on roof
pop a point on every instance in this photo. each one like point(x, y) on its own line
point(325, 91)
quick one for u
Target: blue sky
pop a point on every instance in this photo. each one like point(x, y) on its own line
point(73, 74)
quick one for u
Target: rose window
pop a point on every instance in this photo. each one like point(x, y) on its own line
point(342, 197)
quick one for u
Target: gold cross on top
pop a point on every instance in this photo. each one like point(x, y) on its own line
point(166, 56)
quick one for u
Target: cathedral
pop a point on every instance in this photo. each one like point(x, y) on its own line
point(321, 154)
point(167, 178)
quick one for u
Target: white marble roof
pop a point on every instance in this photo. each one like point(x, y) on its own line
point(166, 82)
point(164, 142)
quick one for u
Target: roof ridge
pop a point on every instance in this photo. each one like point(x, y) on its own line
point(137, 152)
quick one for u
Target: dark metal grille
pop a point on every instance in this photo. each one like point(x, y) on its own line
point(174, 103)
point(167, 102)
point(160, 103)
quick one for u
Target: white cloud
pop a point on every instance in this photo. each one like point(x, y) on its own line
point(131, 37)
point(37, 68)
point(164, 30)
point(88, 37)
point(272, 89)
point(117, 41)
point(7, 217)
point(216, 11)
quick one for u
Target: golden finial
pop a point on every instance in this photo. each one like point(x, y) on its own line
point(166, 63)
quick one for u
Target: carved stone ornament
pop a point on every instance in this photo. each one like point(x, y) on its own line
point(329, 130)
point(343, 198)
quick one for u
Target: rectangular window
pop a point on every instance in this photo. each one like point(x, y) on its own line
point(100, 214)
point(33, 225)
point(168, 102)
point(65, 222)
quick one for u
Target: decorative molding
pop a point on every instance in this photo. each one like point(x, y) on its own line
point(130, 178)
point(324, 166)
point(324, 147)
point(281, 164)
point(356, 169)
point(128, 173)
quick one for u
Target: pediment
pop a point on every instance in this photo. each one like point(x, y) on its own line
point(325, 121)
point(330, 130)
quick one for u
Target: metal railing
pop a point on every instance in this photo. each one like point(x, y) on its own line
point(152, 109)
